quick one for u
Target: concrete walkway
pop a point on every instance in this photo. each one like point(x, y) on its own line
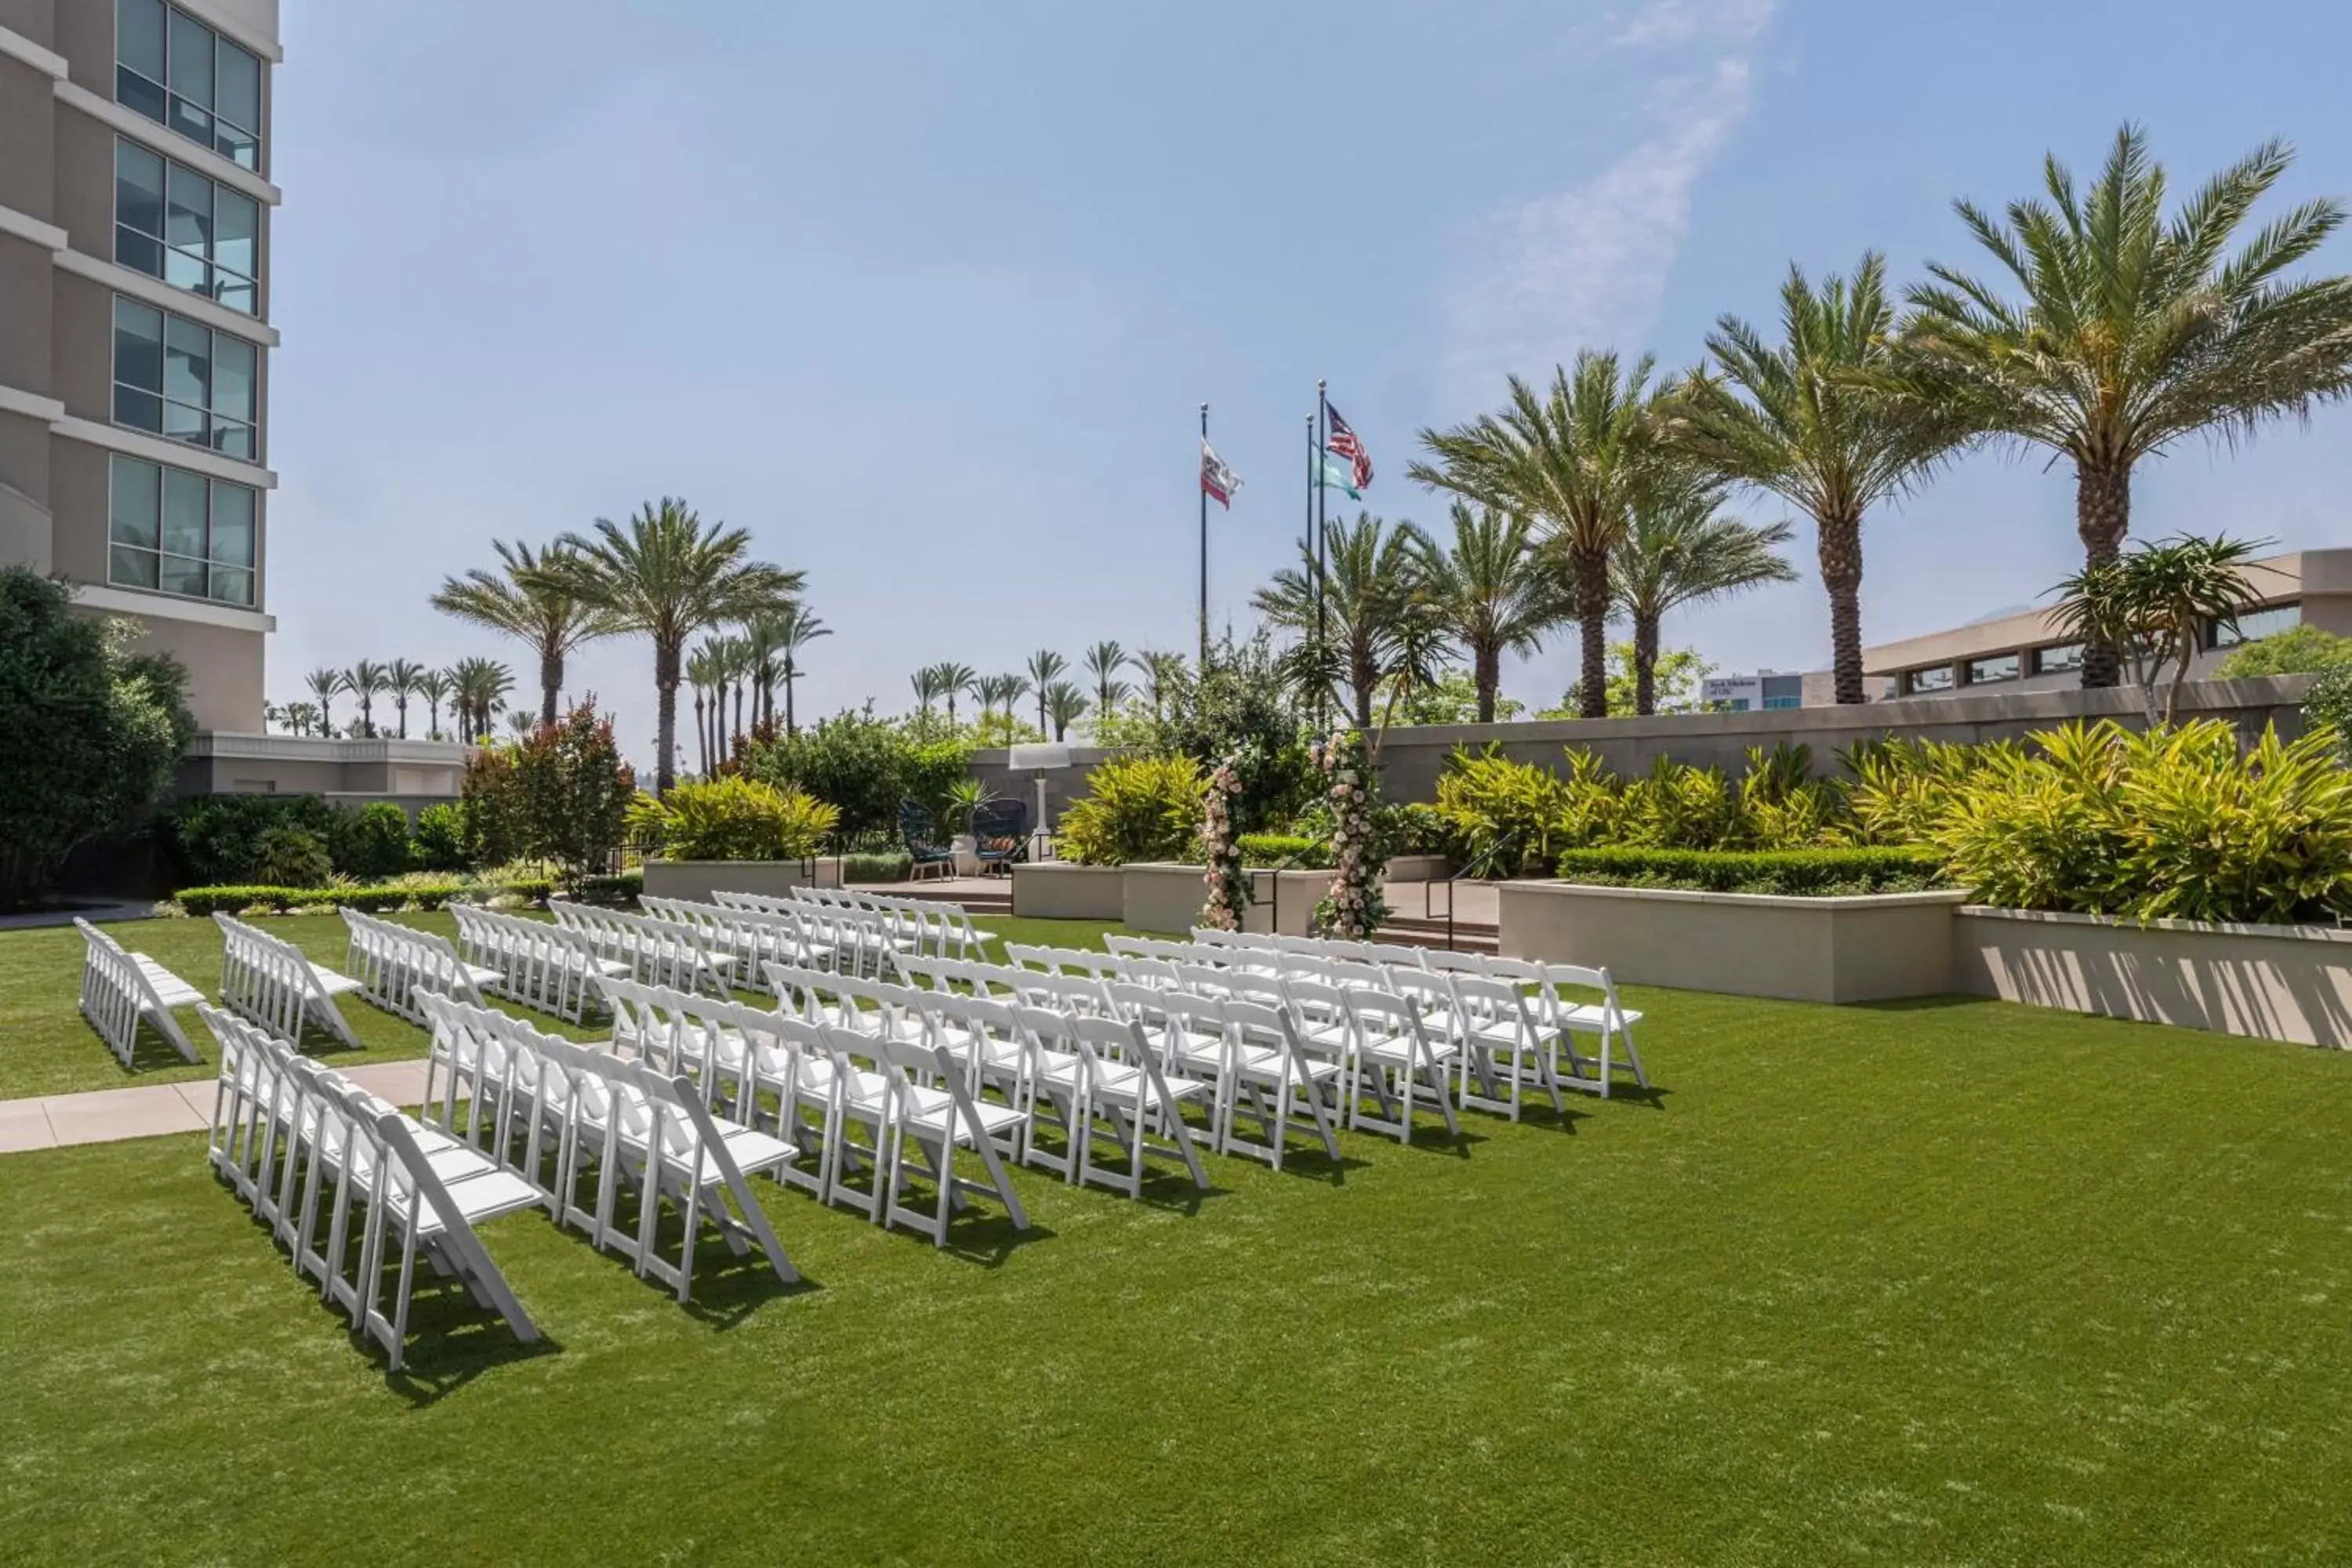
point(56, 1120)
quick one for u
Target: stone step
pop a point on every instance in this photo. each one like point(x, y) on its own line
point(1466, 937)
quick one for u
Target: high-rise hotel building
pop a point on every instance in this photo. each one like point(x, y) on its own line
point(135, 204)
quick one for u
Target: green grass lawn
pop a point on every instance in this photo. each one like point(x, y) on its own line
point(1939, 1283)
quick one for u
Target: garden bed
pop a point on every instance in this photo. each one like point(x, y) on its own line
point(1059, 891)
point(695, 880)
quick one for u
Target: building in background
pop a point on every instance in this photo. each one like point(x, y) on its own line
point(2025, 652)
point(134, 322)
point(1752, 693)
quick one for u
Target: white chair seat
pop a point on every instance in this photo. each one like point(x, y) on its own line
point(756, 1150)
point(169, 989)
point(930, 1110)
point(1592, 1016)
point(485, 1194)
point(480, 976)
point(334, 983)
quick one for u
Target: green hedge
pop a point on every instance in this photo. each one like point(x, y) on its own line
point(1293, 850)
point(625, 889)
point(230, 899)
point(1785, 871)
point(887, 866)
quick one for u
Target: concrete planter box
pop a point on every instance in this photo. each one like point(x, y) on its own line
point(695, 880)
point(1415, 869)
point(1164, 896)
point(1051, 890)
point(1864, 949)
point(2273, 982)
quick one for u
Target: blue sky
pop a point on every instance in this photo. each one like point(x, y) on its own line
point(925, 295)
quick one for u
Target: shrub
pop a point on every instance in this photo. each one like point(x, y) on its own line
point(1418, 828)
point(90, 734)
point(1802, 872)
point(2298, 650)
point(732, 818)
point(2328, 704)
point(872, 866)
point(292, 857)
point(438, 842)
point(367, 900)
point(569, 794)
point(370, 841)
point(863, 768)
point(623, 888)
point(1293, 850)
point(1135, 808)
point(1505, 818)
point(217, 839)
point(487, 808)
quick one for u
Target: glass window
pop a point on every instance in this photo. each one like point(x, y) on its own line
point(139, 36)
point(1991, 670)
point(1784, 702)
point(178, 532)
point(176, 71)
point(185, 382)
point(138, 187)
point(191, 59)
point(188, 217)
point(2058, 661)
point(237, 106)
point(172, 222)
point(2254, 625)
point(236, 232)
point(1918, 682)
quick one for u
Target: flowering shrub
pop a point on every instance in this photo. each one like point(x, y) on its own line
point(1353, 910)
point(1228, 885)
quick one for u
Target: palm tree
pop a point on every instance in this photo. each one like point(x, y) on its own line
point(522, 723)
point(1104, 661)
point(479, 687)
point(1067, 704)
point(364, 681)
point(954, 679)
point(302, 718)
point(1162, 674)
point(323, 684)
point(2155, 603)
point(1682, 551)
point(399, 679)
point(1045, 667)
point(1570, 461)
point(702, 674)
point(927, 689)
point(1369, 602)
point(1492, 591)
point(532, 601)
point(434, 687)
point(666, 576)
point(790, 630)
point(2134, 331)
point(1817, 426)
point(1010, 689)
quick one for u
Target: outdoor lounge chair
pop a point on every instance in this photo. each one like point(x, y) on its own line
point(920, 836)
point(1002, 828)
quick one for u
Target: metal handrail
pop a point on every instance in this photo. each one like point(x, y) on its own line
point(1478, 864)
point(1290, 863)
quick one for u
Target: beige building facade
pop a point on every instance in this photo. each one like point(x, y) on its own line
point(135, 206)
point(2027, 652)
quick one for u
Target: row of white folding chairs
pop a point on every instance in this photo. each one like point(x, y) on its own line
point(1370, 1057)
point(937, 927)
point(825, 1085)
point(121, 989)
point(354, 1188)
point(393, 962)
point(1558, 989)
point(552, 1111)
point(539, 963)
point(783, 931)
point(267, 981)
point(656, 951)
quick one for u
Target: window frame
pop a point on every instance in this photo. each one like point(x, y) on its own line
point(216, 570)
point(1968, 676)
point(212, 422)
point(245, 154)
point(1912, 680)
point(2042, 665)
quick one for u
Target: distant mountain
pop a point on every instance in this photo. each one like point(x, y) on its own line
point(2000, 615)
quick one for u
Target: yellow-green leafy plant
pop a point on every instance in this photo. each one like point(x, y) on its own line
point(732, 818)
point(1135, 808)
point(1678, 806)
point(1509, 817)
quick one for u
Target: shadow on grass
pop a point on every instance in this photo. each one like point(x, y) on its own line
point(1947, 1001)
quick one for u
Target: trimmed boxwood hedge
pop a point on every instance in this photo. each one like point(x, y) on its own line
point(1784, 871)
point(230, 899)
point(1265, 849)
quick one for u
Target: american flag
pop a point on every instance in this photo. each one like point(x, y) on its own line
point(1342, 443)
point(1216, 478)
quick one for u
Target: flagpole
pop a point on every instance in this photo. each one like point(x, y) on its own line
point(1203, 489)
point(1322, 440)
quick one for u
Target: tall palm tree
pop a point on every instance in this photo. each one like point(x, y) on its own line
point(667, 575)
point(323, 684)
point(1492, 590)
point(1569, 459)
point(1682, 551)
point(1813, 422)
point(702, 673)
point(366, 679)
point(1045, 667)
point(954, 679)
point(1010, 689)
point(522, 723)
point(1104, 661)
point(434, 687)
point(928, 688)
point(1162, 674)
point(532, 600)
point(1066, 704)
point(399, 679)
point(1371, 597)
point(480, 686)
point(790, 630)
point(2135, 330)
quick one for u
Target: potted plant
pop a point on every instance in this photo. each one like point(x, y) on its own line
point(964, 798)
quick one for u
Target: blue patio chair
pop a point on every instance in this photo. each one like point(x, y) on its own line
point(921, 835)
point(1002, 826)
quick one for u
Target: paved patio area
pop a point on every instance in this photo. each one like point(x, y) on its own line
point(54, 1122)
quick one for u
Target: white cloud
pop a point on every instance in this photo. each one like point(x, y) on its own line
point(1587, 266)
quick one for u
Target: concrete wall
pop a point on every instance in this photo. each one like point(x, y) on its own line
point(1054, 890)
point(227, 763)
point(695, 880)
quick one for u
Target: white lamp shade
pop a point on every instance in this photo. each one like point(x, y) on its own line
point(1039, 758)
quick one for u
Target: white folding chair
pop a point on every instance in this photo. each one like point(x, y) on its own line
point(121, 989)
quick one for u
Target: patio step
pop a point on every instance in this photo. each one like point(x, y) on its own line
point(1467, 936)
point(995, 899)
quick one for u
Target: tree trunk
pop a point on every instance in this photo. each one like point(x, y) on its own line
point(403, 716)
point(1646, 665)
point(792, 726)
point(1486, 669)
point(2102, 518)
point(1841, 553)
point(1592, 568)
point(665, 662)
point(702, 731)
point(551, 685)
